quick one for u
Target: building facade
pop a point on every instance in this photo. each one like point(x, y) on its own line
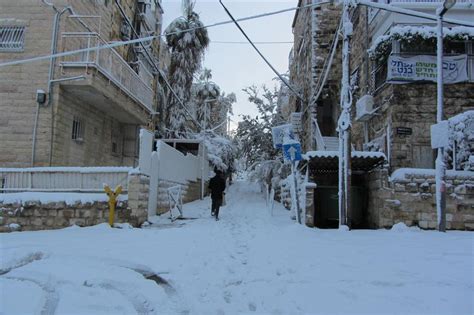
point(82, 109)
point(391, 115)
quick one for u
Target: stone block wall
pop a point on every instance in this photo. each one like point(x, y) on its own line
point(101, 132)
point(138, 192)
point(18, 83)
point(33, 215)
point(412, 200)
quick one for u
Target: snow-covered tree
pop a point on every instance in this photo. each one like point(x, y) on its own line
point(224, 107)
point(209, 105)
point(188, 41)
point(221, 151)
point(205, 95)
point(254, 134)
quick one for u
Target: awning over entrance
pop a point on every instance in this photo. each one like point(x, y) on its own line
point(328, 161)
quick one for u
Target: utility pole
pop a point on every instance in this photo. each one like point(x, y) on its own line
point(440, 164)
point(312, 100)
point(344, 123)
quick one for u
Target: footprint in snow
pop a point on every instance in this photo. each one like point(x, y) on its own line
point(252, 307)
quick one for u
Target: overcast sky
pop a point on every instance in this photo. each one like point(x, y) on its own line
point(235, 66)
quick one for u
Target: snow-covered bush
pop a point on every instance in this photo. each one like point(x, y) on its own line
point(221, 151)
point(461, 138)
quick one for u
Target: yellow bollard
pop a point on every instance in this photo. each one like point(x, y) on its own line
point(112, 201)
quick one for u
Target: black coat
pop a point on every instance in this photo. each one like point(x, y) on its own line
point(217, 187)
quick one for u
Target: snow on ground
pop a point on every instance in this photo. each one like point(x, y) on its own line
point(247, 262)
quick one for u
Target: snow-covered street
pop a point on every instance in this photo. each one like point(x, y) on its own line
point(247, 262)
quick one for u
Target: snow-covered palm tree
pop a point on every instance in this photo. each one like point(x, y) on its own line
point(206, 95)
point(188, 41)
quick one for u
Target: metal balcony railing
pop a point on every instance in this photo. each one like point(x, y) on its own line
point(110, 63)
point(373, 11)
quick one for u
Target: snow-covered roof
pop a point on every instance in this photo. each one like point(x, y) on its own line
point(360, 154)
point(328, 160)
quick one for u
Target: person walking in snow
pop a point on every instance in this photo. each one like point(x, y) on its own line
point(217, 187)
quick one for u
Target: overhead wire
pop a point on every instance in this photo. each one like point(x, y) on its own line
point(247, 43)
point(148, 38)
point(326, 66)
point(283, 80)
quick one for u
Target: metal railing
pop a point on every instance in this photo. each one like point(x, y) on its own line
point(62, 179)
point(320, 145)
point(373, 11)
point(110, 63)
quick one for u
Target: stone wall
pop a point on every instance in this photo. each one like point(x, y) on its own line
point(33, 215)
point(400, 106)
point(411, 200)
point(301, 74)
point(101, 133)
point(18, 84)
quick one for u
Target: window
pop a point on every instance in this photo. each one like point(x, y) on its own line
point(116, 145)
point(455, 47)
point(422, 47)
point(3, 184)
point(12, 38)
point(77, 129)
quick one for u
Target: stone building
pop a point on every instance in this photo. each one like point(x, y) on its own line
point(390, 116)
point(313, 31)
point(82, 109)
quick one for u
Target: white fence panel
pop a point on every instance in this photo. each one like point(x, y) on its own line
point(177, 167)
point(79, 179)
point(146, 147)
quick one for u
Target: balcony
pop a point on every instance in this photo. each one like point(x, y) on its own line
point(108, 78)
point(381, 21)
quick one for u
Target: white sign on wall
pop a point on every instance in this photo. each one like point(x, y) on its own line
point(423, 68)
point(440, 135)
point(295, 119)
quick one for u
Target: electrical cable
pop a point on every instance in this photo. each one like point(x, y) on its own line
point(261, 55)
point(326, 66)
point(256, 43)
point(148, 38)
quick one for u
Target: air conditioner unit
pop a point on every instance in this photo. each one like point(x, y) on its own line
point(365, 108)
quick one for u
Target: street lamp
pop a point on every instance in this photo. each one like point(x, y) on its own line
point(440, 165)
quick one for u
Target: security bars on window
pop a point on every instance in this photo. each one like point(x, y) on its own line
point(77, 129)
point(12, 38)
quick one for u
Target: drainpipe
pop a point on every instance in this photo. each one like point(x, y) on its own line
point(54, 39)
